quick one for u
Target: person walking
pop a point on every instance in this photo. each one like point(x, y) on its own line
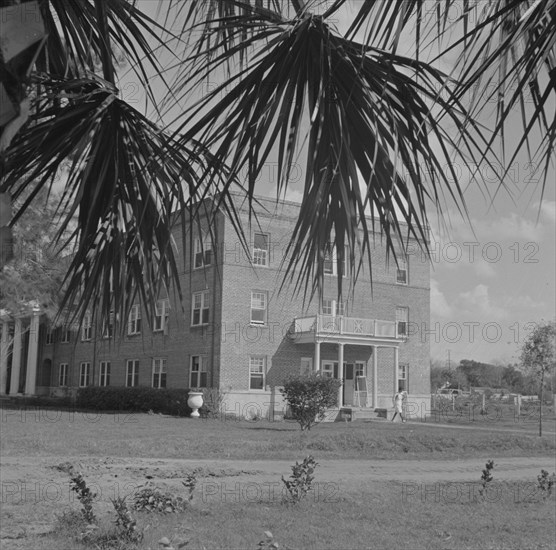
point(398, 405)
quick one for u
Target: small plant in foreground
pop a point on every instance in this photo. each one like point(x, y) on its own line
point(84, 495)
point(545, 483)
point(190, 483)
point(486, 476)
point(166, 544)
point(268, 542)
point(125, 521)
point(153, 499)
point(301, 480)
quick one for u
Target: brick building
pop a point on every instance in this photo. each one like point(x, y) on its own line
point(236, 332)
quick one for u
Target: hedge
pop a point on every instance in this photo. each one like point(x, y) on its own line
point(136, 399)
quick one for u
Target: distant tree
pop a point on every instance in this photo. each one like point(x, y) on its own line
point(481, 374)
point(512, 378)
point(309, 396)
point(37, 270)
point(538, 356)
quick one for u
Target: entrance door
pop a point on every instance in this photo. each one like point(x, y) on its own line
point(349, 384)
point(330, 370)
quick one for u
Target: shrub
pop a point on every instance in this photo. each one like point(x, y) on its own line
point(486, 477)
point(309, 396)
point(126, 522)
point(213, 399)
point(84, 495)
point(301, 480)
point(545, 483)
point(138, 399)
point(153, 499)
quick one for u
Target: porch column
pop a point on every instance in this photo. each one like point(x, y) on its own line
point(33, 353)
point(375, 376)
point(4, 356)
point(341, 374)
point(396, 370)
point(16, 357)
point(316, 366)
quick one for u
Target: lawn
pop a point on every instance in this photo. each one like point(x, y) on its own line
point(236, 503)
point(380, 516)
point(40, 432)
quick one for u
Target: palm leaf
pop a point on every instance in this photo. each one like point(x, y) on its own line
point(371, 135)
point(124, 184)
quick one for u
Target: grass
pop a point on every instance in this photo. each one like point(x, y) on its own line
point(360, 512)
point(381, 517)
point(45, 432)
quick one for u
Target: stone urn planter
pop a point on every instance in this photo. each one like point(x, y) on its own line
point(195, 401)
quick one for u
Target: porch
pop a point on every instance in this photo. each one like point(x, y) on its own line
point(359, 388)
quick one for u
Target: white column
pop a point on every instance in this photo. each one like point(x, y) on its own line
point(316, 366)
point(341, 374)
point(4, 356)
point(16, 357)
point(33, 353)
point(396, 370)
point(375, 376)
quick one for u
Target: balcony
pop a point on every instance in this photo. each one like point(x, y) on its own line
point(339, 328)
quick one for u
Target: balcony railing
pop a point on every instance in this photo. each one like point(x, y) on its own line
point(342, 325)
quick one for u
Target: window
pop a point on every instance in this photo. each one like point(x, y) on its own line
point(66, 335)
point(108, 326)
point(259, 304)
point(359, 368)
point(104, 376)
point(132, 373)
point(159, 373)
point(306, 367)
point(49, 336)
point(198, 372)
point(328, 369)
point(203, 252)
point(330, 261)
point(161, 310)
point(63, 374)
point(402, 321)
point(333, 307)
point(84, 374)
point(402, 272)
point(134, 320)
point(256, 373)
point(403, 377)
point(86, 328)
point(200, 308)
point(261, 249)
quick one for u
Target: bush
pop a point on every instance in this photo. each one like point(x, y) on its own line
point(301, 480)
point(309, 396)
point(137, 399)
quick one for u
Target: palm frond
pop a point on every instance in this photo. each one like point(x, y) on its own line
point(510, 61)
point(77, 39)
point(125, 183)
point(371, 142)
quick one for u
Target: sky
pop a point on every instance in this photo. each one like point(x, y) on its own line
point(493, 275)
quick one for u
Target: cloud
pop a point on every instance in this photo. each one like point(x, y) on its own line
point(548, 211)
point(510, 227)
point(439, 304)
point(484, 270)
point(478, 302)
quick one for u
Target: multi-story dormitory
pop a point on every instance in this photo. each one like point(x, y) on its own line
point(240, 334)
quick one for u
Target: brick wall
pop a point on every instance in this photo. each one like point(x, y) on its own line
point(230, 339)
